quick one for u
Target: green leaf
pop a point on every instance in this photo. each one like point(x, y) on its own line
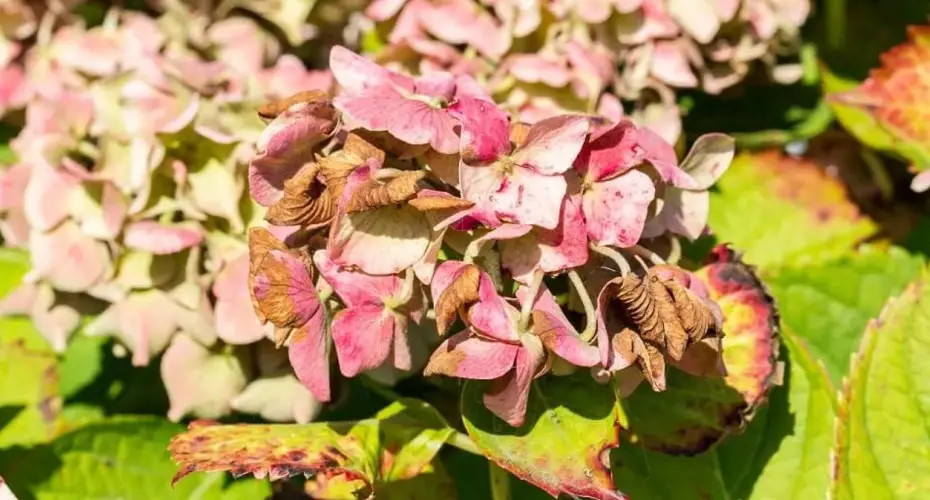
point(122, 458)
point(883, 448)
point(829, 303)
point(782, 455)
point(29, 400)
point(571, 423)
point(782, 210)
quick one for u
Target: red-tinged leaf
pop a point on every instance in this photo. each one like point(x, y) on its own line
point(696, 412)
point(571, 425)
point(896, 95)
point(278, 451)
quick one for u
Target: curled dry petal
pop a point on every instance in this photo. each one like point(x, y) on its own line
point(271, 110)
point(284, 290)
point(373, 194)
point(459, 292)
point(286, 145)
point(306, 201)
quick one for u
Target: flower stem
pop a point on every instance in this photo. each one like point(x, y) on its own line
point(644, 252)
point(500, 482)
point(674, 253)
point(323, 289)
point(590, 313)
point(615, 256)
point(527, 310)
point(406, 290)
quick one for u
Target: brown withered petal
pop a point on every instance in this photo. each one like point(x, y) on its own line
point(653, 367)
point(460, 293)
point(261, 243)
point(627, 345)
point(306, 201)
point(335, 168)
point(696, 317)
point(440, 203)
point(373, 194)
point(675, 340)
point(271, 110)
point(639, 308)
point(387, 142)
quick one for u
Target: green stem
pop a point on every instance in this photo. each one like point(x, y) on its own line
point(500, 482)
point(615, 256)
point(674, 253)
point(836, 23)
point(590, 313)
point(406, 291)
point(323, 289)
point(527, 310)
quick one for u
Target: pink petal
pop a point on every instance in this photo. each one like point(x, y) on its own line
point(308, 356)
point(46, 196)
point(594, 11)
point(437, 84)
point(527, 197)
point(162, 239)
point(485, 130)
point(710, 156)
point(508, 396)
point(616, 210)
point(459, 22)
point(356, 74)
point(552, 145)
point(144, 322)
point(289, 76)
point(697, 17)
point(469, 357)
point(410, 120)
point(298, 291)
point(382, 10)
point(236, 322)
point(356, 288)
point(286, 145)
point(446, 273)
point(363, 337)
point(492, 316)
point(562, 340)
point(550, 251)
point(670, 64)
point(200, 381)
point(534, 68)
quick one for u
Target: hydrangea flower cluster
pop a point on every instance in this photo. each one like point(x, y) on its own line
point(542, 59)
point(409, 206)
point(129, 192)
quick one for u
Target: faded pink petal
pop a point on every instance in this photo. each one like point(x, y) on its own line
point(610, 107)
point(46, 196)
point(562, 339)
point(670, 64)
point(14, 88)
point(508, 396)
point(616, 210)
point(286, 145)
point(162, 239)
point(522, 197)
point(550, 251)
point(356, 74)
point(465, 356)
point(446, 272)
point(299, 292)
point(68, 259)
point(144, 322)
point(382, 241)
point(364, 337)
point(382, 10)
point(697, 17)
point(241, 44)
point(308, 355)
point(289, 76)
point(535, 68)
point(459, 22)
point(200, 381)
point(236, 322)
point(356, 288)
point(683, 212)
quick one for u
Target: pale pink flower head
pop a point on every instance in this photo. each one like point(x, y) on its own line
point(523, 184)
point(414, 110)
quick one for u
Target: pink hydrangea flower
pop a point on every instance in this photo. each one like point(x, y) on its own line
point(522, 185)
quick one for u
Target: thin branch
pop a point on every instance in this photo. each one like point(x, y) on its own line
point(674, 253)
point(527, 310)
point(646, 253)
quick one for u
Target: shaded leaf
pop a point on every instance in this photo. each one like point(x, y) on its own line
point(29, 402)
point(571, 424)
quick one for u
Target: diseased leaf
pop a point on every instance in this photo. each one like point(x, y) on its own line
point(386, 454)
point(782, 210)
point(696, 412)
point(859, 122)
point(120, 458)
point(571, 424)
point(881, 438)
point(829, 304)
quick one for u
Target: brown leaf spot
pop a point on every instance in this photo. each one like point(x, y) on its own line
point(462, 292)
